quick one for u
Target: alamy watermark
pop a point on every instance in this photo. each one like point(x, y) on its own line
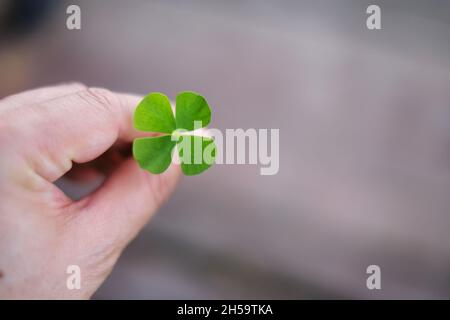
point(73, 21)
point(373, 21)
point(237, 146)
point(374, 280)
point(73, 281)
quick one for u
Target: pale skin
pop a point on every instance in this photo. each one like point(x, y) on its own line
point(58, 131)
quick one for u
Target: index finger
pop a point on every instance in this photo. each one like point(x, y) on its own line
point(77, 127)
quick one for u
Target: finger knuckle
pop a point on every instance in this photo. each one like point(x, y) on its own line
point(100, 97)
point(77, 85)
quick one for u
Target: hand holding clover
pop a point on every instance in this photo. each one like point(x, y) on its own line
point(52, 132)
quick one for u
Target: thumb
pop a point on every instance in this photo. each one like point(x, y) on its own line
point(127, 200)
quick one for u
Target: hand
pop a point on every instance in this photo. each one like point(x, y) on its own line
point(44, 134)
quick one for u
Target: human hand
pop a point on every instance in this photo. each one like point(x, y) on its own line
point(45, 134)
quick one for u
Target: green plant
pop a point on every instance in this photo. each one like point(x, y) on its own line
point(154, 114)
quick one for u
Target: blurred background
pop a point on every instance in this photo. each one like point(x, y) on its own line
point(364, 119)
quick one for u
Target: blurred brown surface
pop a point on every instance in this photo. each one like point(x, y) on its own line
point(364, 119)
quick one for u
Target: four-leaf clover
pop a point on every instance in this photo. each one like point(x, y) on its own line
point(154, 114)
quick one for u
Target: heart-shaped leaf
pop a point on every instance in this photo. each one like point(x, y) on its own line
point(196, 153)
point(191, 107)
point(154, 114)
point(154, 153)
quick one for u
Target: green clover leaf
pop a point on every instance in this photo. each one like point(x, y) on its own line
point(191, 107)
point(154, 114)
point(197, 155)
